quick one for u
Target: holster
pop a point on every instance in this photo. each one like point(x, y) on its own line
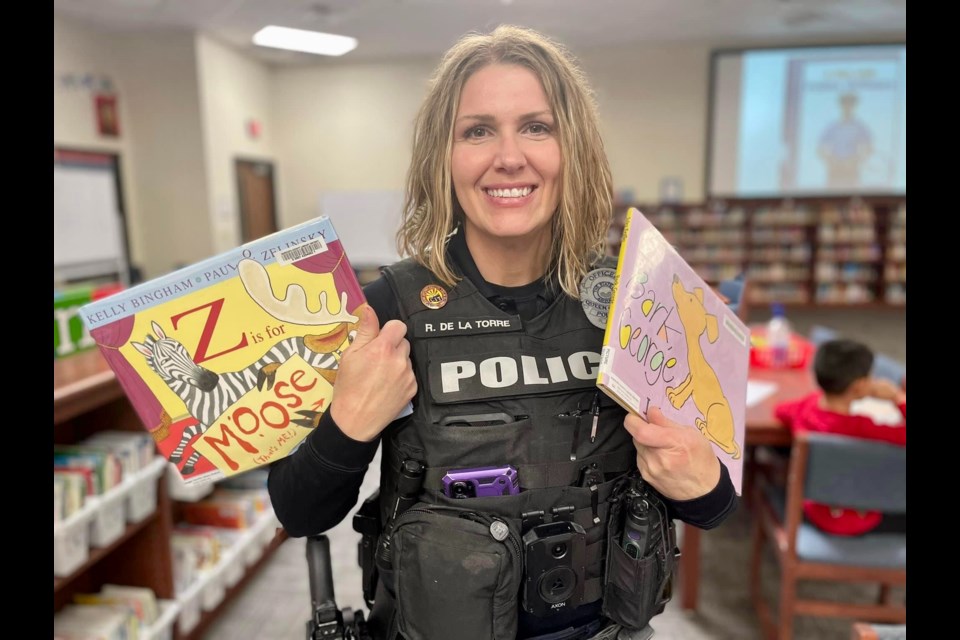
point(366, 522)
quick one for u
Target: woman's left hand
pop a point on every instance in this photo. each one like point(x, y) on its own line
point(677, 460)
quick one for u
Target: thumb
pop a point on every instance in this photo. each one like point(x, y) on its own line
point(647, 432)
point(655, 416)
point(368, 327)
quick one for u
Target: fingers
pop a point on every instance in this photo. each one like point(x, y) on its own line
point(655, 415)
point(368, 327)
point(649, 433)
point(375, 378)
point(677, 460)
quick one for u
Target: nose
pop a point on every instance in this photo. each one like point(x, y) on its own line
point(510, 156)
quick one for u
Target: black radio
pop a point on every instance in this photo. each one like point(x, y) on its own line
point(641, 528)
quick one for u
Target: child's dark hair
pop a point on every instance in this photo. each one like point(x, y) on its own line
point(840, 363)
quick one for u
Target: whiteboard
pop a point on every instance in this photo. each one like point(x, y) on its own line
point(367, 223)
point(87, 226)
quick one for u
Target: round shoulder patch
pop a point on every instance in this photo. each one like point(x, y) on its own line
point(596, 291)
point(433, 296)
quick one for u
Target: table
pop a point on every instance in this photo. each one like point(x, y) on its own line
point(762, 428)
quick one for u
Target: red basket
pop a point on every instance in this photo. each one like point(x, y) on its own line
point(799, 353)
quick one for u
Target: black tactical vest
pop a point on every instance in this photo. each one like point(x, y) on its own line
point(473, 359)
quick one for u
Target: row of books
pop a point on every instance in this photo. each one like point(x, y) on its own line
point(897, 294)
point(795, 292)
point(846, 293)
point(895, 271)
point(119, 612)
point(210, 526)
point(851, 234)
point(845, 272)
point(79, 472)
point(103, 518)
point(95, 466)
point(845, 253)
point(207, 561)
point(784, 216)
point(116, 612)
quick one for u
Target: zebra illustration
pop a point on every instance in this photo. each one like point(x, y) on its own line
point(207, 394)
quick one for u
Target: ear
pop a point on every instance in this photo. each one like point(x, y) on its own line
point(142, 348)
point(698, 292)
point(157, 330)
point(713, 329)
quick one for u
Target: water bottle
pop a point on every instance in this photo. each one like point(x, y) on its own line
point(778, 337)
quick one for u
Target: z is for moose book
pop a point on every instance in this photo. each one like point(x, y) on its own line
point(673, 343)
point(230, 362)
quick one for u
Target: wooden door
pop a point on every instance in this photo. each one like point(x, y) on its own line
point(258, 214)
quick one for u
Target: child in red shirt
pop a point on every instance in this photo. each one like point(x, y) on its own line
point(842, 369)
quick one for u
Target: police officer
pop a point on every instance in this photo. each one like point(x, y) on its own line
point(486, 327)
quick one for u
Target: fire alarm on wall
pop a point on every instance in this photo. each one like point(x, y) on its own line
point(253, 128)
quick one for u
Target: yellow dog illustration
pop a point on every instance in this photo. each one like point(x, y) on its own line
point(702, 383)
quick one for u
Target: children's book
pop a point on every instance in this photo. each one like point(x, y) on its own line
point(671, 342)
point(230, 362)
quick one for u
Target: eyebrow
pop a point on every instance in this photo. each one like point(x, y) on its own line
point(486, 119)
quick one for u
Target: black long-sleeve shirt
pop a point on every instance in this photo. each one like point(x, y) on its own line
point(315, 488)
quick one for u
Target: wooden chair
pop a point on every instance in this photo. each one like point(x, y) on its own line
point(840, 471)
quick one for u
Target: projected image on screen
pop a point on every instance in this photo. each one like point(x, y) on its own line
point(809, 121)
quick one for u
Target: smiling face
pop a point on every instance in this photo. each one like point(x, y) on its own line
point(506, 163)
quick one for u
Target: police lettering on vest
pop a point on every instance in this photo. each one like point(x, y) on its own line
point(512, 374)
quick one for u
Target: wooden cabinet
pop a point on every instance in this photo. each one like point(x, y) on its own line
point(806, 251)
point(87, 398)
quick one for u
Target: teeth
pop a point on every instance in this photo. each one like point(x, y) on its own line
point(510, 193)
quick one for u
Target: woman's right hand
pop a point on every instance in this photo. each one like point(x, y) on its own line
point(374, 379)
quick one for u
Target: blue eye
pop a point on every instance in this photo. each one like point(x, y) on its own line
point(538, 129)
point(475, 132)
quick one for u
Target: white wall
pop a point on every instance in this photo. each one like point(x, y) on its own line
point(77, 52)
point(161, 143)
point(653, 112)
point(349, 126)
point(344, 127)
point(233, 90)
point(161, 88)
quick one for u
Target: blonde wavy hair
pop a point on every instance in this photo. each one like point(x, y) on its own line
point(431, 211)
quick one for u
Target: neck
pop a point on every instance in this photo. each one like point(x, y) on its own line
point(510, 262)
point(837, 404)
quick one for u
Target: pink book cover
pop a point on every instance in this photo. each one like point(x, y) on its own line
point(672, 342)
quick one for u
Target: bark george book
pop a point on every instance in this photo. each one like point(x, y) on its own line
point(230, 362)
point(671, 342)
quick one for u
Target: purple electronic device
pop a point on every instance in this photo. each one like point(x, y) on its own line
point(481, 482)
